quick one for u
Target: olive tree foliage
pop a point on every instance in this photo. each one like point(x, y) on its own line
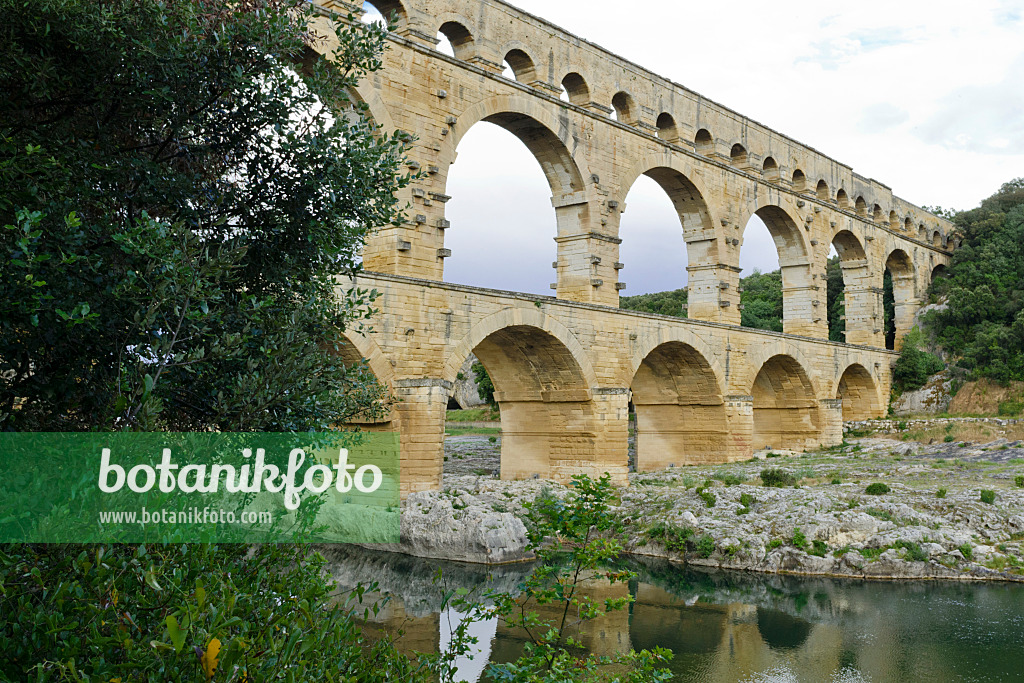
point(183, 183)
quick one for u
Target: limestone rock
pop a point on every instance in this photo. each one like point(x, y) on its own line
point(459, 527)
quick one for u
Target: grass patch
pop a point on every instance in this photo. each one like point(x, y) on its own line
point(877, 489)
point(473, 415)
point(456, 430)
point(988, 496)
point(729, 479)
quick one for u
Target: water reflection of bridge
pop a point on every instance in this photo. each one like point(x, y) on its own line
point(732, 627)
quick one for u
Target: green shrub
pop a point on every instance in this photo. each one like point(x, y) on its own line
point(819, 549)
point(941, 493)
point(707, 496)
point(746, 500)
point(799, 539)
point(948, 438)
point(1019, 481)
point(673, 538)
point(775, 543)
point(914, 551)
point(967, 551)
point(835, 481)
point(914, 366)
point(492, 439)
point(150, 613)
point(1010, 408)
point(777, 478)
point(773, 455)
point(988, 496)
point(705, 546)
point(877, 489)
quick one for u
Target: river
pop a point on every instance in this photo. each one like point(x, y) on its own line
point(733, 626)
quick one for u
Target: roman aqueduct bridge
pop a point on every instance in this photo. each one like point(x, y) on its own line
point(566, 367)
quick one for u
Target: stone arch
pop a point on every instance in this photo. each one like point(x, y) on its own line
point(822, 191)
point(922, 232)
point(542, 381)
point(664, 335)
point(902, 271)
point(577, 89)
point(625, 108)
point(683, 187)
point(786, 413)
point(389, 7)
point(680, 409)
point(856, 323)
point(950, 243)
point(861, 206)
point(704, 142)
point(799, 181)
point(667, 129)
point(842, 199)
point(795, 263)
point(354, 348)
point(738, 155)
point(908, 225)
point(454, 29)
point(770, 169)
point(876, 213)
point(894, 220)
point(508, 317)
point(535, 127)
point(937, 238)
point(858, 391)
point(522, 64)
point(939, 271)
point(364, 93)
point(676, 176)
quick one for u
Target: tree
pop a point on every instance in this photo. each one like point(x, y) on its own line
point(762, 300)
point(982, 326)
point(183, 182)
point(835, 294)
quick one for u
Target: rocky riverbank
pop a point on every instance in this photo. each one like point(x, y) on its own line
point(954, 508)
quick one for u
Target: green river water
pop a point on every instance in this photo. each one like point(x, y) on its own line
point(735, 626)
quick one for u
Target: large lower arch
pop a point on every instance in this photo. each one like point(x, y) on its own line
point(543, 386)
point(680, 411)
point(859, 394)
point(786, 413)
point(800, 314)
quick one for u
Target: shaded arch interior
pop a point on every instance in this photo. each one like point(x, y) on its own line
point(858, 393)
point(546, 413)
point(680, 411)
point(576, 88)
point(460, 38)
point(785, 409)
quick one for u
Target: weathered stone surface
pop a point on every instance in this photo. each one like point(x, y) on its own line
point(932, 398)
point(456, 526)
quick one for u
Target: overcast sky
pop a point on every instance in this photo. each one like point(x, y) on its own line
point(926, 97)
